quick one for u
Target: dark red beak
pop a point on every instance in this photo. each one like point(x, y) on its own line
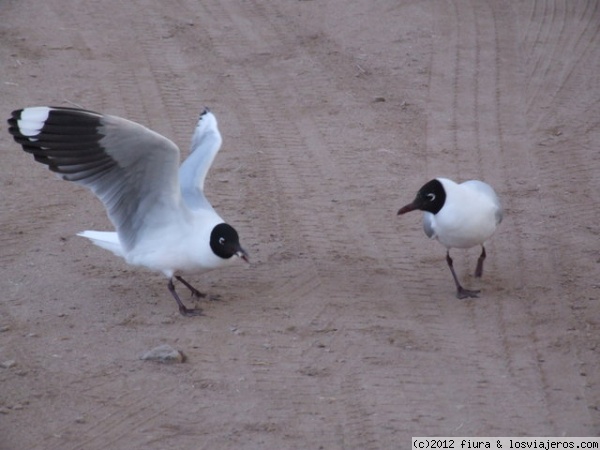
point(242, 254)
point(408, 208)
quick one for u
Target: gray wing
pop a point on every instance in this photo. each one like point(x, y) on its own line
point(489, 192)
point(206, 143)
point(131, 169)
point(428, 224)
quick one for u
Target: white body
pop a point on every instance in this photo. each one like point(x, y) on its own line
point(469, 217)
point(182, 246)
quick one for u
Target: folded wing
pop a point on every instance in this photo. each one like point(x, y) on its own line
point(489, 192)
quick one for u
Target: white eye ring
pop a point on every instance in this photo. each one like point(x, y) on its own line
point(222, 240)
point(431, 196)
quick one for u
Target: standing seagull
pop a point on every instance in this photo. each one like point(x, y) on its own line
point(459, 216)
point(163, 220)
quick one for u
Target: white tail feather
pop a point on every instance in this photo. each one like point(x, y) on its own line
point(108, 240)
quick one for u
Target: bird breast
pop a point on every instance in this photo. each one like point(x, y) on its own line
point(464, 226)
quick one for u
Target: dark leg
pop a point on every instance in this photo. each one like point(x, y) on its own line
point(479, 269)
point(460, 291)
point(182, 309)
point(195, 292)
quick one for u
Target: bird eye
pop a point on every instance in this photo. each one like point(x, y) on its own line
point(222, 241)
point(431, 196)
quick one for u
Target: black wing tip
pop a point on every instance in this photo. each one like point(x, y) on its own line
point(61, 120)
point(16, 114)
point(67, 136)
point(12, 120)
point(13, 129)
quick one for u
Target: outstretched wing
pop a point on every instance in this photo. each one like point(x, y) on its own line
point(206, 143)
point(132, 169)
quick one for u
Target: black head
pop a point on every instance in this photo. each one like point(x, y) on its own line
point(225, 242)
point(431, 197)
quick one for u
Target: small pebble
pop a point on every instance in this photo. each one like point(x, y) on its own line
point(164, 354)
point(8, 364)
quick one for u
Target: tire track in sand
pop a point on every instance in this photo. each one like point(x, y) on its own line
point(365, 398)
point(525, 363)
point(315, 180)
point(479, 112)
point(562, 123)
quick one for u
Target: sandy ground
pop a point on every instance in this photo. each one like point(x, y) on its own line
point(344, 332)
